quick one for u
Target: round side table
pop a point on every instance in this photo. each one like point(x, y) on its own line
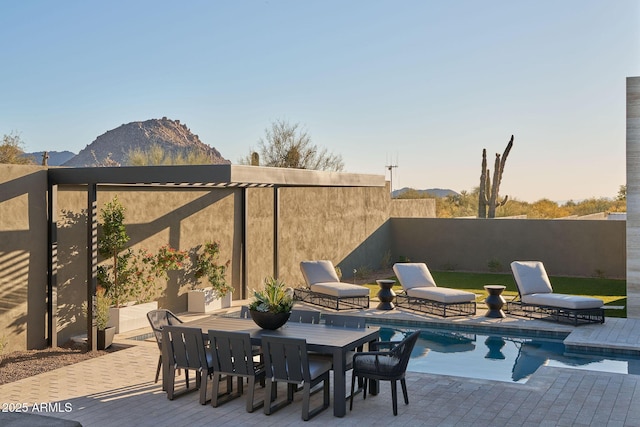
point(494, 301)
point(386, 294)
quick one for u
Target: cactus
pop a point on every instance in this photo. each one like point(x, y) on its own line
point(488, 193)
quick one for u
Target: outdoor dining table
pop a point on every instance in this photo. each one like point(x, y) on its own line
point(335, 341)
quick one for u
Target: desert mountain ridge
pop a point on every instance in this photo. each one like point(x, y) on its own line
point(434, 192)
point(115, 145)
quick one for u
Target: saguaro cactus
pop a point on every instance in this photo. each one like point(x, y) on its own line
point(488, 193)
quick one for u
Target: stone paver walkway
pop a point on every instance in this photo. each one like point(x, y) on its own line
point(118, 390)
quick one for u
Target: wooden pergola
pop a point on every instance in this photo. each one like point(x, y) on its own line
point(185, 176)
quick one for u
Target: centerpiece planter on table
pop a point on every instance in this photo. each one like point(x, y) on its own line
point(271, 306)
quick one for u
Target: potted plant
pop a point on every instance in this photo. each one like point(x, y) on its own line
point(271, 306)
point(218, 294)
point(105, 332)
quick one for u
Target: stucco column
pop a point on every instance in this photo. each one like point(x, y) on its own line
point(633, 197)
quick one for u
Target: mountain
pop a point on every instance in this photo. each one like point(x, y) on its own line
point(113, 146)
point(56, 158)
point(434, 192)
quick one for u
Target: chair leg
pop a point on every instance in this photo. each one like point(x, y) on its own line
point(204, 377)
point(159, 366)
point(394, 396)
point(403, 383)
point(171, 380)
point(353, 386)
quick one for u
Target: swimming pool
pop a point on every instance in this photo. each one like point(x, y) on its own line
point(497, 356)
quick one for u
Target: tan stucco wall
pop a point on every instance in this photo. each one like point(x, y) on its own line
point(572, 248)
point(154, 217)
point(23, 256)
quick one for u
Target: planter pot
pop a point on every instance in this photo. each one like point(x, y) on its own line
point(269, 320)
point(131, 317)
point(204, 301)
point(105, 337)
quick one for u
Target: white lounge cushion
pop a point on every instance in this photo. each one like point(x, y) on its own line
point(445, 295)
point(562, 301)
point(413, 275)
point(318, 272)
point(339, 289)
point(531, 277)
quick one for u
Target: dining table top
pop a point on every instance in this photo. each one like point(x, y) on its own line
point(315, 334)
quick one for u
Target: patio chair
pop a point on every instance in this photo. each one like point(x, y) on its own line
point(325, 289)
point(537, 299)
point(305, 316)
point(187, 351)
point(287, 360)
point(345, 321)
point(420, 293)
point(232, 356)
point(158, 319)
point(384, 365)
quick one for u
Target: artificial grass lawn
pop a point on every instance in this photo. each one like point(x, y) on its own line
point(612, 291)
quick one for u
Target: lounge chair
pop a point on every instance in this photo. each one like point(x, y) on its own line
point(537, 299)
point(325, 289)
point(421, 293)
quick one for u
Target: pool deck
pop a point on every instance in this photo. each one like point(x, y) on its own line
point(118, 389)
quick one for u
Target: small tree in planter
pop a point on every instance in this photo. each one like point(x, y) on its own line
point(206, 264)
point(112, 241)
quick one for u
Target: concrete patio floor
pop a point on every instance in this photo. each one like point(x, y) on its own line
point(118, 389)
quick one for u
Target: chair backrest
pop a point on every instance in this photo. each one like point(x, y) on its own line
point(319, 272)
point(159, 319)
point(404, 348)
point(413, 275)
point(186, 347)
point(305, 316)
point(345, 321)
point(531, 277)
point(231, 352)
point(286, 359)
point(244, 312)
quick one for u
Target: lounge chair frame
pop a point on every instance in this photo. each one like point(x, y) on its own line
point(435, 307)
point(556, 314)
point(330, 301)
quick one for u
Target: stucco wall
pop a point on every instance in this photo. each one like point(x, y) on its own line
point(154, 217)
point(23, 256)
point(572, 248)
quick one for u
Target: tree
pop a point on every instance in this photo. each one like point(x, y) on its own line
point(287, 145)
point(488, 193)
point(622, 193)
point(11, 151)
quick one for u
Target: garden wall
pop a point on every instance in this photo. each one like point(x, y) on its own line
point(567, 247)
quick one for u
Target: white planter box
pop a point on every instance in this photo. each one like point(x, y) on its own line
point(204, 301)
point(131, 317)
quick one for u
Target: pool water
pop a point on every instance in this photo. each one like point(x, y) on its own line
point(498, 357)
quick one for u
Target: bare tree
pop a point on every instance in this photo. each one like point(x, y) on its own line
point(287, 145)
point(488, 194)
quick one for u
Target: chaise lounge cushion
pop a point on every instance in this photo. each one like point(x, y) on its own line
point(535, 288)
point(531, 277)
point(413, 275)
point(417, 281)
point(340, 290)
point(573, 302)
point(444, 295)
point(321, 277)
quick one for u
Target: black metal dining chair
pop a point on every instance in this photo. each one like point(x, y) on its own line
point(286, 360)
point(305, 316)
point(158, 319)
point(384, 365)
point(232, 356)
point(186, 350)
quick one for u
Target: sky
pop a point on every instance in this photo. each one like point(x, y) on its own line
point(424, 85)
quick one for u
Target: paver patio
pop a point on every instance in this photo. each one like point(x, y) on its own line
point(118, 390)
